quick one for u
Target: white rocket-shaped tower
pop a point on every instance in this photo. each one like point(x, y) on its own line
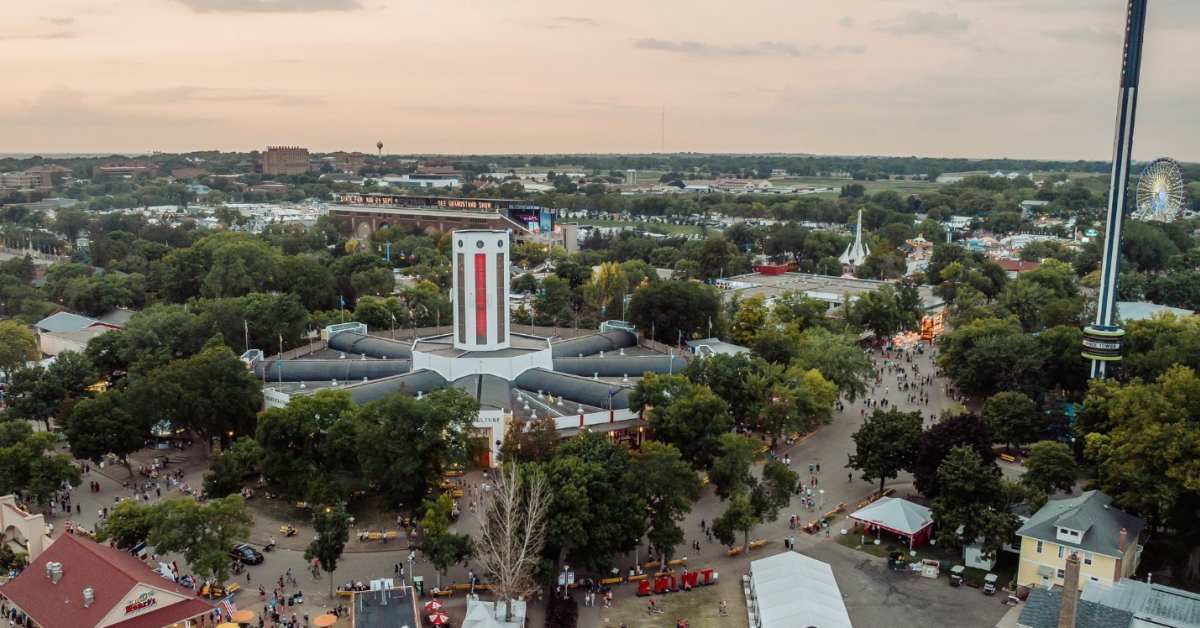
point(480, 288)
point(856, 252)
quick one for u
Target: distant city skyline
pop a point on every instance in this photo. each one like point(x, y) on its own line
point(965, 78)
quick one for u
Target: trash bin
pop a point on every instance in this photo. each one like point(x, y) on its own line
point(419, 585)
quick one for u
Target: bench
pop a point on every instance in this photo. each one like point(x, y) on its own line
point(757, 543)
point(638, 578)
point(608, 581)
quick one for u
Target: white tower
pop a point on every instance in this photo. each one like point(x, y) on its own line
point(856, 252)
point(480, 289)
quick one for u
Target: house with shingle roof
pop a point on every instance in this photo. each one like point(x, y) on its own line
point(1105, 537)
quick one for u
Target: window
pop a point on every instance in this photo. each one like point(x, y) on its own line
point(1039, 547)
point(1062, 574)
point(1087, 558)
point(1060, 551)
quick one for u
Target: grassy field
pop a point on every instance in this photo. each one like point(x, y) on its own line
point(903, 187)
point(700, 607)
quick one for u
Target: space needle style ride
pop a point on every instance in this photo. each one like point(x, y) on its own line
point(1102, 340)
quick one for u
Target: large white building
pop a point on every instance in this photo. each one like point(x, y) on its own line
point(580, 383)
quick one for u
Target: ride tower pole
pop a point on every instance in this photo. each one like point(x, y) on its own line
point(1103, 340)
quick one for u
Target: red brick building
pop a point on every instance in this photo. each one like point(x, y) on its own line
point(78, 583)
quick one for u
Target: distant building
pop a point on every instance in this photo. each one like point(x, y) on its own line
point(342, 161)
point(42, 178)
point(124, 169)
point(631, 177)
point(285, 160)
point(189, 172)
point(446, 181)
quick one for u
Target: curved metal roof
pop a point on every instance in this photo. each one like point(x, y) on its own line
point(579, 389)
point(423, 381)
point(593, 344)
point(348, 370)
point(373, 346)
point(620, 365)
point(491, 391)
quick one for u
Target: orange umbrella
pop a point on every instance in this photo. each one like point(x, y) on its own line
point(325, 621)
point(439, 618)
point(243, 616)
point(433, 606)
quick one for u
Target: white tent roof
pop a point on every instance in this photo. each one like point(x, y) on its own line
point(491, 614)
point(896, 514)
point(792, 589)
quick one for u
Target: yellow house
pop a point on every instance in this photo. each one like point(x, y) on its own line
point(1105, 538)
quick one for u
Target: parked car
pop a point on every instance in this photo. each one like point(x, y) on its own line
point(246, 555)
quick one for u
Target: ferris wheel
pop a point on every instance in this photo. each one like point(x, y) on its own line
point(1160, 191)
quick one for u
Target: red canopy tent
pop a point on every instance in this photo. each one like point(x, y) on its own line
point(898, 516)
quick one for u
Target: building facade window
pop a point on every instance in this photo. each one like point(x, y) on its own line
point(1060, 551)
point(1039, 547)
point(1087, 558)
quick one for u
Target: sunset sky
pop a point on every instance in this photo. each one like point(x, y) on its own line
point(976, 78)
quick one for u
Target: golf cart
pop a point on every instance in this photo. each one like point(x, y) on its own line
point(956, 575)
point(989, 584)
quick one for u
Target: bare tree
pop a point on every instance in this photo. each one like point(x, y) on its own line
point(509, 543)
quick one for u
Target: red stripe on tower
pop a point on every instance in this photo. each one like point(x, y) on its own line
point(481, 298)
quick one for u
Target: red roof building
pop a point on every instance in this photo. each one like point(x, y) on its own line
point(1014, 266)
point(77, 583)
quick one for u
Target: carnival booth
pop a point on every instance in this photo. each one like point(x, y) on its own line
point(900, 517)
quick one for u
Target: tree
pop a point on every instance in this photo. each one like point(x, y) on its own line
point(1013, 418)
point(301, 442)
point(373, 281)
point(232, 466)
point(793, 308)
point(730, 376)
point(738, 517)
point(937, 441)
point(886, 444)
point(973, 502)
point(128, 523)
point(837, 357)
point(774, 490)
point(989, 355)
point(530, 441)
point(210, 392)
point(405, 443)
point(606, 290)
point(751, 318)
point(201, 532)
point(553, 305)
point(674, 310)
point(799, 401)
point(441, 546)
point(1049, 467)
point(730, 472)
point(1148, 460)
point(27, 463)
point(669, 486)
point(512, 533)
point(690, 417)
point(17, 346)
point(101, 426)
point(885, 311)
point(592, 513)
point(332, 526)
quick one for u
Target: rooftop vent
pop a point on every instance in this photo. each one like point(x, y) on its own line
point(54, 571)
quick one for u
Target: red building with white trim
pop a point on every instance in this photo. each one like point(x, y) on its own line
point(77, 583)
